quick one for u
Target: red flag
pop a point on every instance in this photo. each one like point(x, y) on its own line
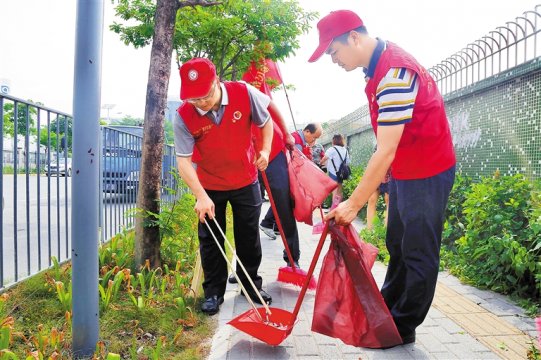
point(263, 75)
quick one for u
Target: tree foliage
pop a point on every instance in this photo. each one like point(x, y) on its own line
point(230, 34)
point(22, 111)
point(128, 120)
point(58, 129)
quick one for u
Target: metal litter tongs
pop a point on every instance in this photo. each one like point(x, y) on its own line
point(256, 290)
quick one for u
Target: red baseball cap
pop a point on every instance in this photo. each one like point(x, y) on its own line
point(196, 78)
point(333, 25)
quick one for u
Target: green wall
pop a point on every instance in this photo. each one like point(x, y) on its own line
point(496, 125)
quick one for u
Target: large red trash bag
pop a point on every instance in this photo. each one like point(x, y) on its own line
point(348, 304)
point(309, 186)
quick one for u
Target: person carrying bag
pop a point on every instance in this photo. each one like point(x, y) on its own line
point(344, 171)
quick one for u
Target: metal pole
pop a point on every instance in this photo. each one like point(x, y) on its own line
point(85, 196)
point(287, 98)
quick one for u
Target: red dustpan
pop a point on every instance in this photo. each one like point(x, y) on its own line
point(272, 328)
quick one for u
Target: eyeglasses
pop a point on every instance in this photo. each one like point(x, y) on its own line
point(206, 98)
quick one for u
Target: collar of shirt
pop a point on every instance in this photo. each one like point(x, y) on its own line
point(225, 101)
point(380, 48)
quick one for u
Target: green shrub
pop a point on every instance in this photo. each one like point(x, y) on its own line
point(455, 221)
point(350, 184)
point(179, 231)
point(500, 248)
point(376, 237)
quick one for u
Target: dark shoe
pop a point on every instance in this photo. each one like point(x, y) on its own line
point(409, 338)
point(266, 297)
point(406, 339)
point(212, 304)
point(232, 279)
point(268, 231)
point(294, 262)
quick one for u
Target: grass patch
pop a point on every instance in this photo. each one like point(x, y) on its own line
point(144, 314)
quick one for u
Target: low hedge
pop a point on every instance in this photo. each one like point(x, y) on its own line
point(491, 237)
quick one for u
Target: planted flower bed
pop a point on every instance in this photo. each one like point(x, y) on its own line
point(144, 313)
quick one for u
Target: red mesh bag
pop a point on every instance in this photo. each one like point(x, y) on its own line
point(348, 304)
point(309, 186)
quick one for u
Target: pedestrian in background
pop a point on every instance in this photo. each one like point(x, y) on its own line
point(306, 138)
point(318, 152)
point(333, 159)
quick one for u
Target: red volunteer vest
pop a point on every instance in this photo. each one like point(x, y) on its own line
point(306, 150)
point(426, 146)
point(277, 139)
point(224, 154)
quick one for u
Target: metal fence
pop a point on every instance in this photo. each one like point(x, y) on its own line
point(121, 160)
point(492, 93)
point(36, 186)
point(503, 48)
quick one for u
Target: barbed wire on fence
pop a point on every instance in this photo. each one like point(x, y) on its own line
point(501, 49)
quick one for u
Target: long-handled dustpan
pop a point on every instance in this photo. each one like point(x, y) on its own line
point(273, 328)
point(287, 274)
point(256, 291)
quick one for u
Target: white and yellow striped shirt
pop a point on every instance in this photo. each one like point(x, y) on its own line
point(396, 95)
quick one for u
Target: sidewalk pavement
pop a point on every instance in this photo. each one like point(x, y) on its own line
point(463, 322)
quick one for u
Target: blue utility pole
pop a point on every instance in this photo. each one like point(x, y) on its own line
point(85, 181)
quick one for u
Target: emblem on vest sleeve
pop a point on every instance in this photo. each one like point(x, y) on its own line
point(193, 75)
point(236, 116)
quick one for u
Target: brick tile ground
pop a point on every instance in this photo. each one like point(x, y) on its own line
point(463, 322)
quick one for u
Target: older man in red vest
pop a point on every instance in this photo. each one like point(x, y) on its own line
point(213, 130)
point(305, 139)
point(413, 139)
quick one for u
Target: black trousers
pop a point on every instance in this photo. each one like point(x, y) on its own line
point(246, 206)
point(414, 230)
point(261, 184)
point(278, 177)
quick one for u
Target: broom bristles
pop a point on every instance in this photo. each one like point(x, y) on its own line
point(295, 277)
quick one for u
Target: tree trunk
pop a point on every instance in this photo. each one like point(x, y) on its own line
point(147, 237)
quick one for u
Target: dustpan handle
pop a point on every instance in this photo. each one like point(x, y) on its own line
point(278, 221)
point(311, 270)
point(256, 290)
point(231, 266)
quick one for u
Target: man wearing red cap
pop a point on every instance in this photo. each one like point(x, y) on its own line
point(213, 130)
point(413, 139)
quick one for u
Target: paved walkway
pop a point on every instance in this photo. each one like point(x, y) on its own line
point(463, 322)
